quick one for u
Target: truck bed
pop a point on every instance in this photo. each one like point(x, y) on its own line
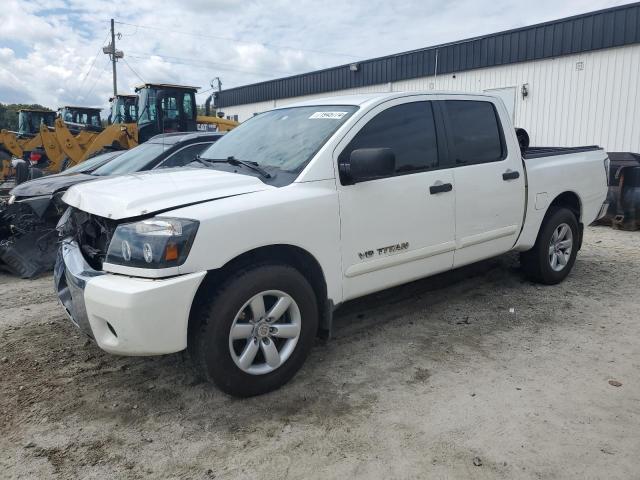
point(538, 152)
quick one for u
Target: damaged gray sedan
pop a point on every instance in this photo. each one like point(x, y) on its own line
point(28, 239)
point(28, 218)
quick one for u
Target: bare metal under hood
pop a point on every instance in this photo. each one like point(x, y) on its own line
point(148, 192)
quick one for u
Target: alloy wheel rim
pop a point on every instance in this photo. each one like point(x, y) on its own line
point(265, 332)
point(560, 247)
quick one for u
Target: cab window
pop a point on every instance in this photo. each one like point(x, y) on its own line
point(187, 105)
point(474, 131)
point(408, 130)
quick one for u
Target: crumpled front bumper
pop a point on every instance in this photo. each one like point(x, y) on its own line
point(70, 276)
point(125, 315)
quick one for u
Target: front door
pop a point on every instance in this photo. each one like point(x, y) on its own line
point(397, 229)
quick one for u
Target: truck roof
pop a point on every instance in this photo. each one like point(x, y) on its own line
point(365, 98)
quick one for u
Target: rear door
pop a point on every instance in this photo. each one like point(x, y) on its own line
point(489, 178)
point(395, 229)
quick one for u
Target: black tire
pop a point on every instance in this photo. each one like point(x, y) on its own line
point(211, 322)
point(22, 172)
point(536, 263)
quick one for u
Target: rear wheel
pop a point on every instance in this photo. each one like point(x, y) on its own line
point(256, 332)
point(554, 253)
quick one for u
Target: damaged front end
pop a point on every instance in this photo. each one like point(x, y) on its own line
point(28, 236)
point(92, 233)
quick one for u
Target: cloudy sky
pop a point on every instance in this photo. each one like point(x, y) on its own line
point(51, 50)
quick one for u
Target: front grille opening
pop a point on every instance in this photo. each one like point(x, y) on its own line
point(93, 234)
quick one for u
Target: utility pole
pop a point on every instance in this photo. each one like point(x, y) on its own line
point(113, 59)
point(114, 55)
point(207, 103)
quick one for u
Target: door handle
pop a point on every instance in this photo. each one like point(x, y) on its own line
point(510, 175)
point(440, 188)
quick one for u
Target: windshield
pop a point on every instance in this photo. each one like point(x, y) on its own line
point(284, 139)
point(132, 160)
point(123, 110)
point(85, 117)
point(29, 122)
point(92, 163)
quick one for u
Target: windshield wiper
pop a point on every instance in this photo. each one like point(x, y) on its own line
point(234, 161)
point(203, 161)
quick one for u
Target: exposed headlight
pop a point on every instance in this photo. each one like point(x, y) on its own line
point(154, 243)
point(12, 199)
point(607, 165)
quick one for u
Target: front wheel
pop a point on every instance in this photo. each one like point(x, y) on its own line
point(554, 253)
point(256, 331)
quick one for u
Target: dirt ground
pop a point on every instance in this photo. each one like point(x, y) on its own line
point(473, 374)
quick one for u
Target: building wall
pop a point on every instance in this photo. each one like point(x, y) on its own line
point(582, 99)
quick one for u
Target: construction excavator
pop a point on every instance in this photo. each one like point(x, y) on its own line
point(77, 133)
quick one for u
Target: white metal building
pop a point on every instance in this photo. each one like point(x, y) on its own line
point(574, 81)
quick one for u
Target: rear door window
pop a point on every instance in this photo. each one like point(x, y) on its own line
point(474, 131)
point(408, 130)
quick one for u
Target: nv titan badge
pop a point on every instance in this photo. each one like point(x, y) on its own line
point(398, 247)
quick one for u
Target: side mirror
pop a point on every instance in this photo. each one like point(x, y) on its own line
point(367, 164)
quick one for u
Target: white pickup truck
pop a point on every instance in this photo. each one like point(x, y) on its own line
point(243, 258)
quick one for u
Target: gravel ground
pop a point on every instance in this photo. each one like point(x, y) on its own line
point(474, 374)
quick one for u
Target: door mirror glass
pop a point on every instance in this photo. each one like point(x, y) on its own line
point(368, 164)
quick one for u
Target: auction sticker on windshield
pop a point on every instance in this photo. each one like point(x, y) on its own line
point(329, 115)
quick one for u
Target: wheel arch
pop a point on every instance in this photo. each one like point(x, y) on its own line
point(570, 200)
point(294, 256)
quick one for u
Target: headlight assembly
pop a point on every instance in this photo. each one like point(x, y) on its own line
point(12, 200)
point(154, 243)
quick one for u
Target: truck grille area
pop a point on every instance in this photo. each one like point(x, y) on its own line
point(92, 233)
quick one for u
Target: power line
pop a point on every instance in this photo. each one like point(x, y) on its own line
point(246, 42)
point(131, 68)
point(94, 60)
point(204, 91)
point(96, 80)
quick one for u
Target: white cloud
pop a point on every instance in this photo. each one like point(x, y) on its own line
point(50, 50)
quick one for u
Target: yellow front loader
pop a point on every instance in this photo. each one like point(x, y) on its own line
point(77, 135)
point(26, 139)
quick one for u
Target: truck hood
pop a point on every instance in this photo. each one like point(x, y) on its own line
point(149, 192)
